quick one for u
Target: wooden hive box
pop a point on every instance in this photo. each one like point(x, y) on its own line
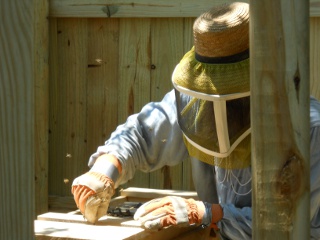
point(72, 225)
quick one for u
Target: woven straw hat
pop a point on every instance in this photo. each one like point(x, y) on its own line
point(219, 61)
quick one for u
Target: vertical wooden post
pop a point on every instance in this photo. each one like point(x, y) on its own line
point(41, 104)
point(279, 48)
point(19, 70)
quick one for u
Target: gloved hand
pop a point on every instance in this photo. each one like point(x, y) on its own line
point(162, 212)
point(93, 190)
point(92, 193)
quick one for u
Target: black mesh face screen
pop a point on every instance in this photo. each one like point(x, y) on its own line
point(238, 116)
point(197, 119)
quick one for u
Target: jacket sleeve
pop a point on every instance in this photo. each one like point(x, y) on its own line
point(147, 141)
point(237, 222)
point(315, 168)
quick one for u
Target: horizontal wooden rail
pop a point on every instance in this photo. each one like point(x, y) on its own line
point(140, 8)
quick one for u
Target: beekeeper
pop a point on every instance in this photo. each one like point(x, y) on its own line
point(205, 117)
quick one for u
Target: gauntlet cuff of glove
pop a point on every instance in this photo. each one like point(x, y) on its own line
point(107, 168)
point(96, 181)
point(216, 212)
point(213, 214)
point(106, 180)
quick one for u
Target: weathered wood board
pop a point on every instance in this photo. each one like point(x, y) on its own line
point(140, 8)
point(72, 225)
point(64, 226)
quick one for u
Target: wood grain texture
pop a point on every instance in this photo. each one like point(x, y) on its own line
point(167, 38)
point(41, 38)
point(102, 71)
point(61, 204)
point(280, 119)
point(123, 63)
point(68, 106)
point(156, 193)
point(134, 66)
point(106, 88)
point(102, 81)
point(130, 9)
point(141, 8)
point(63, 228)
point(72, 225)
point(17, 120)
point(134, 75)
point(166, 52)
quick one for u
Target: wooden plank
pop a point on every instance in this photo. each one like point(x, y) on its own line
point(78, 218)
point(58, 203)
point(148, 193)
point(134, 69)
point(70, 230)
point(63, 230)
point(17, 119)
point(134, 76)
point(166, 52)
point(315, 57)
point(280, 119)
point(141, 8)
point(53, 106)
point(41, 89)
point(103, 78)
point(68, 106)
point(71, 225)
point(167, 37)
point(130, 9)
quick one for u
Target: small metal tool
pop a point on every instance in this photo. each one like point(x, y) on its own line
point(126, 209)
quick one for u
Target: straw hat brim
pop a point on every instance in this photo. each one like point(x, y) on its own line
point(211, 78)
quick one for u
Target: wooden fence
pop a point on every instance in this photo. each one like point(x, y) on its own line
point(106, 62)
point(51, 123)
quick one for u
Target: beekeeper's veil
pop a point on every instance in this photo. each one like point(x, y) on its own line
point(213, 89)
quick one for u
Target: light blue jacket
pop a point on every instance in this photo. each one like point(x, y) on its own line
point(152, 139)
